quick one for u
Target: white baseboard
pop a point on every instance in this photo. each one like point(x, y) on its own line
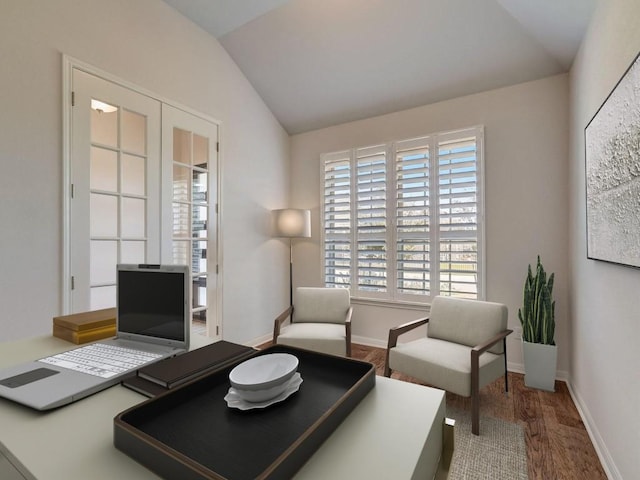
point(598, 444)
point(561, 375)
point(607, 462)
point(369, 342)
point(260, 340)
point(515, 367)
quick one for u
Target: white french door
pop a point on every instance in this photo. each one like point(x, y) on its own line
point(189, 207)
point(115, 186)
point(143, 188)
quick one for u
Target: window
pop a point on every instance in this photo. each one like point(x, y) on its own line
point(403, 221)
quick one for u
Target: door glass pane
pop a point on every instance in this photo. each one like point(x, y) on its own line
point(200, 151)
point(199, 319)
point(104, 170)
point(199, 218)
point(103, 297)
point(104, 215)
point(181, 187)
point(133, 252)
point(181, 252)
point(181, 146)
point(104, 257)
point(199, 257)
point(133, 217)
point(181, 220)
point(202, 233)
point(199, 186)
point(104, 123)
point(199, 291)
point(134, 132)
point(133, 175)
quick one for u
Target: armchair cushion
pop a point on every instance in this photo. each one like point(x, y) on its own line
point(319, 337)
point(445, 364)
point(321, 305)
point(467, 322)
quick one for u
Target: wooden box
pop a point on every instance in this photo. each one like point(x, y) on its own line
point(189, 433)
point(86, 326)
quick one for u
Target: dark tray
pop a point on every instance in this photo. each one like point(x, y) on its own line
point(190, 433)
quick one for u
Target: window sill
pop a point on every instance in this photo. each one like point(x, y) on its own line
point(424, 307)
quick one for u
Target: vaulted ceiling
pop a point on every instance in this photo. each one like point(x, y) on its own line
point(318, 63)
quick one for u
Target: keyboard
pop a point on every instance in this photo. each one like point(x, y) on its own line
point(101, 360)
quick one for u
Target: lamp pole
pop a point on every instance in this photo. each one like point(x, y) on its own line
point(290, 272)
point(292, 223)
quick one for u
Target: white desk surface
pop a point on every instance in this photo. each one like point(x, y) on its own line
point(395, 432)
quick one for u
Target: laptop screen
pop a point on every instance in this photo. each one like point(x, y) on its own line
point(153, 301)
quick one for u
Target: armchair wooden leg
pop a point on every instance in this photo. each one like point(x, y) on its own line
point(475, 393)
point(475, 414)
point(506, 374)
point(387, 370)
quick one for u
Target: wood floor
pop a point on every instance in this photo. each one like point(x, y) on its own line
point(558, 446)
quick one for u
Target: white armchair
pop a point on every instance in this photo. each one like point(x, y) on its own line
point(464, 350)
point(320, 320)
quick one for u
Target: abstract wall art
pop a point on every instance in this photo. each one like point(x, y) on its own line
point(612, 158)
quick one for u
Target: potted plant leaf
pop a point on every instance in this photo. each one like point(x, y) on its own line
point(537, 317)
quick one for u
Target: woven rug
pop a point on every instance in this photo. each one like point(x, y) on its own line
point(499, 452)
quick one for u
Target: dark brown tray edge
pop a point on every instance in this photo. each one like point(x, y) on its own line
point(313, 437)
point(149, 445)
point(173, 463)
point(170, 465)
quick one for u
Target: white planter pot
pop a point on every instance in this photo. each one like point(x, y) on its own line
point(540, 365)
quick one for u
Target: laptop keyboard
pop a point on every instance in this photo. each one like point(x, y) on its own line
point(101, 360)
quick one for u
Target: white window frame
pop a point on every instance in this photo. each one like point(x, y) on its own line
point(392, 295)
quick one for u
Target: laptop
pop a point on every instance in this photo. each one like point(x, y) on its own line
point(153, 322)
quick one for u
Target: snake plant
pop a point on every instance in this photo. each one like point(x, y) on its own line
point(537, 314)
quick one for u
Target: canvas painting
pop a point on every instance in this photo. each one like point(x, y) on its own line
point(612, 142)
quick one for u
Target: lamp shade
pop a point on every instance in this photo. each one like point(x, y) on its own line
point(292, 223)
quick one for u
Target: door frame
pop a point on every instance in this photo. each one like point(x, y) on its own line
point(70, 63)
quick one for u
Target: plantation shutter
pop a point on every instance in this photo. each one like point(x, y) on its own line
point(412, 172)
point(458, 209)
point(404, 221)
point(337, 219)
point(371, 214)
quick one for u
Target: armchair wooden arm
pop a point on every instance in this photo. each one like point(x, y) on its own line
point(395, 332)
point(288, 313)
point(483, 347)
point(475, 375)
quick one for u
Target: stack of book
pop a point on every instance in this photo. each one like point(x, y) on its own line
point(86, 326)
point(172, 372)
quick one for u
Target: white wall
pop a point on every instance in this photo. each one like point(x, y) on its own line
point(605, 305)
point(526, 151)
point(147, 43)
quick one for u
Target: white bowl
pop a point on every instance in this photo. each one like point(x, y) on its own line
point(264, 372)
point(258, 396)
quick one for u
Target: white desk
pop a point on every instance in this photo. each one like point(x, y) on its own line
point(395, 432)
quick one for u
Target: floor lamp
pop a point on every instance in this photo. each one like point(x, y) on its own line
point(291, 223)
